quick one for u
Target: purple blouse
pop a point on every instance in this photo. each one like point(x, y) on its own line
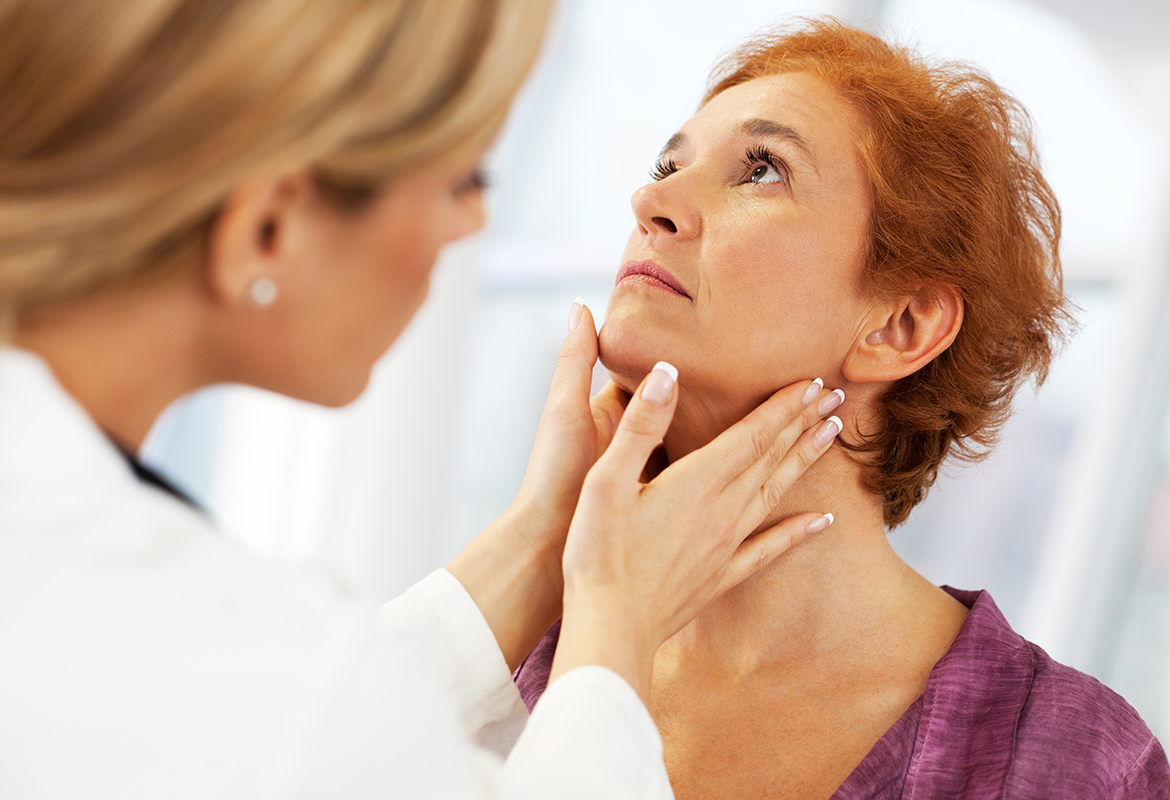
point(998, 719)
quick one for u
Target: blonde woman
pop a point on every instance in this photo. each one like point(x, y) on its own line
point(255, 191)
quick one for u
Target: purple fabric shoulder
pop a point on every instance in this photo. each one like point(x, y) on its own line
point(1078, 738)
point(1001, 719)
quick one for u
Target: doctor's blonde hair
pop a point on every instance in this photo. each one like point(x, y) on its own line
point(124, 124)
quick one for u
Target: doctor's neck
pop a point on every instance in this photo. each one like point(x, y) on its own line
point(123, 354)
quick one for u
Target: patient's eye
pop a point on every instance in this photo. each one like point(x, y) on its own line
point(663, 169)
point(763, 167)
point(765, 173)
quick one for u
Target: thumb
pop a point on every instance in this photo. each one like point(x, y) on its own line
point(644, 423)
point(608, 405)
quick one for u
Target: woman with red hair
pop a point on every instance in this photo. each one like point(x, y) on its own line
point(840, 207)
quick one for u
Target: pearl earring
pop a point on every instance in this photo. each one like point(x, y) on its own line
point(263, 292)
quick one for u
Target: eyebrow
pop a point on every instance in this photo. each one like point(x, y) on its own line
point(675, 142)
point(763, 128)
point(777, 130)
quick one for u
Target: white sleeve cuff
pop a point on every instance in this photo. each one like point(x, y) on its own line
point(462, 654)
point(589, 736)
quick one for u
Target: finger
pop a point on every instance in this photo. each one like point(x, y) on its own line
point(750, 481)
point(752, 439)
point(811, 445)
point(642, 426)
point(824, 403)
point(762, 549)
point(608, 405)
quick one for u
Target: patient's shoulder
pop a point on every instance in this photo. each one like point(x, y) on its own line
point(1075, 732)
point(1038, 727)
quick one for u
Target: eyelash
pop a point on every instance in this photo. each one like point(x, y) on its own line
point(663, 169)
point(755, 156)
point(761, 155)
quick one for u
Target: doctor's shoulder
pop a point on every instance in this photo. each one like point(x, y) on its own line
point(143, 655)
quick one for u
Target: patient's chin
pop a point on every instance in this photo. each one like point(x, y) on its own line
point(628, 353)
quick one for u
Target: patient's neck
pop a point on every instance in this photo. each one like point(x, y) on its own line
point(840, 593)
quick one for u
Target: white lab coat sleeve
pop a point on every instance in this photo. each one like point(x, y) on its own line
point(590, 736)
point(462, 657)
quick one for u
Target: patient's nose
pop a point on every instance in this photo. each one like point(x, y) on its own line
point(665, 222)
point(663, 210)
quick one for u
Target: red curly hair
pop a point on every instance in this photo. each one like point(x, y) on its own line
point(958, 200)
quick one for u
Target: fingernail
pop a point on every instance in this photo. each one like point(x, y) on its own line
point(575, 314)
point(831, 401)
point(825, 433)
point(819, 524)
point(662, 379)
point(812, 391)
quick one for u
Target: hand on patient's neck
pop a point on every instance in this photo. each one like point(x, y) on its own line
point(826, 597)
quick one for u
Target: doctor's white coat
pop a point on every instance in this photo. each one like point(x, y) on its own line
point(141, 656)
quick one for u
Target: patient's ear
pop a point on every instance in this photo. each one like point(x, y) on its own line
point(903, 335)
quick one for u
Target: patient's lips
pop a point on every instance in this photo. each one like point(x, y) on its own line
point(651, 274)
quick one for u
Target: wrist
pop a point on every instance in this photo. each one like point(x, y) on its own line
point(541, 537)
point(514, 580)
point(597, 632)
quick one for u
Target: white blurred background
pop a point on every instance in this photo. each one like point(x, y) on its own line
point(1068, 524)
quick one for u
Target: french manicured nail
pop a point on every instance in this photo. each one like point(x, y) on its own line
point(831, 401)
point(575, 314)
point(662, 379)
point(812, 391)
point(827, 431)
point(819, 524)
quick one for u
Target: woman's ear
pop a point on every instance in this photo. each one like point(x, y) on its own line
point(904, 335)
point(248, 240)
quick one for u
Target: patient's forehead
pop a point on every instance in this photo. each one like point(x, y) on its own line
point(814, 128)
point(807, 103)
